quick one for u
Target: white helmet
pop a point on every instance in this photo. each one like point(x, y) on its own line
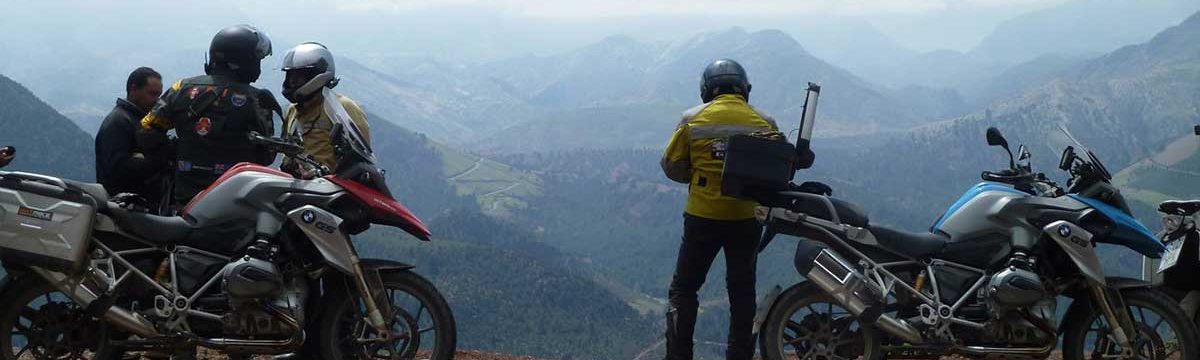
point(309, 67)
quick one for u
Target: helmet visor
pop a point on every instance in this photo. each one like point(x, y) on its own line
point(307, 56)
point(263, 48)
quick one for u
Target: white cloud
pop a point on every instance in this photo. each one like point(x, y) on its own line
point(574, 9)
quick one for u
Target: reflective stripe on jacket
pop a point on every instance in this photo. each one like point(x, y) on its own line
point(696, 154)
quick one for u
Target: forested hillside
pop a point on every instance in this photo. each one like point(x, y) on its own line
point(46, 141)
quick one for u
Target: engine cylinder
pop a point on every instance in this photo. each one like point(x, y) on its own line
point(251, 277)
point(1015, 286)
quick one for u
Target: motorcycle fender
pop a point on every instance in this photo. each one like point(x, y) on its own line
point(384, 266)
point(765, 306)
point(325, 231)
point(1123, 283)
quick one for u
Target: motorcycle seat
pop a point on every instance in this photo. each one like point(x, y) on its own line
point(150, 227)
point(915, 245)
point(1179, 207)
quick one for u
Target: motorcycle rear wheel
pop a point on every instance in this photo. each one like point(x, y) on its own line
point(422, 325)
point(807, 324)
point(39, 322)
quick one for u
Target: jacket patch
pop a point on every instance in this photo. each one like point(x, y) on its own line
point(203, 126)
point(718, 149)
point(238, 100)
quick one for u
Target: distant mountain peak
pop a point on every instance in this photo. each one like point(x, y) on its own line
point(773, 38)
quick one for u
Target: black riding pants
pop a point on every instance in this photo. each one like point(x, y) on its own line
point(702, 240)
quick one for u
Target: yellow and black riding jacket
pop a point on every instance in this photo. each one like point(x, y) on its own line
point(696, 154)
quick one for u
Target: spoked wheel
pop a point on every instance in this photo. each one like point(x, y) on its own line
point(806, 324)
point(38, 322)
point(1163, 331)
point(422, 326)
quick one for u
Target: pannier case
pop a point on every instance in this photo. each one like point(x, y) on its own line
point(755, 165)
point(44, 222)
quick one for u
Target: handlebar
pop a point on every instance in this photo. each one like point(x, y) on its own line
point(1005, 176)
point(276, 144)
point(289, 149)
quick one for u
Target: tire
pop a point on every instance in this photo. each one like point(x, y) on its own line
point(20, 292)
point(342, 316)
point(797, 298)
point(1082, 316)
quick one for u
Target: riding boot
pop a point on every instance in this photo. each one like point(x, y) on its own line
point(680, 327)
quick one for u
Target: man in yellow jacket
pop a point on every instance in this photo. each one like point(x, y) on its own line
point(712, 222)
point(310, 70)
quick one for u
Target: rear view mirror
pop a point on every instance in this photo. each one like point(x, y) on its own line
point(1068, 157)
point(335, 134)
point(994, 138)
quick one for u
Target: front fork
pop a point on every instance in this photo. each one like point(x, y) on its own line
point(375, 316)
point(1120, 321)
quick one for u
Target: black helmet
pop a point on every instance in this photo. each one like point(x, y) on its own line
point(309, 68)
point(238, 49)
point(724, 76)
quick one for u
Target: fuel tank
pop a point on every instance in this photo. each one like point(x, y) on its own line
point(990, 221)
point(248, 192)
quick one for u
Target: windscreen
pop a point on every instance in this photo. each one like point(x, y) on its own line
point(351, 132)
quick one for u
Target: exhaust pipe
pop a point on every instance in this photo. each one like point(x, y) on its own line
point(284, 346)
point(832, 274)
point(83, 296)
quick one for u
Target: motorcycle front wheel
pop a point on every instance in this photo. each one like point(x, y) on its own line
point(422, 326)
point(805, 323)
point(1163, 331)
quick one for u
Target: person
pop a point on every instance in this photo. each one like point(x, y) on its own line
point(309, 70)
point(7, 154)
point(713, 222)
point(121, 165)
point(213, 114)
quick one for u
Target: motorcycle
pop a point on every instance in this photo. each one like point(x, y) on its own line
point(1175, 271)
point(259, 263)
point(983, 282)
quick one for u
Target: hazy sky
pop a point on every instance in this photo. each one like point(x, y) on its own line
point(573, 8)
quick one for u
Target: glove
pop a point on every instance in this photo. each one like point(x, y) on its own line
point(298, 169)
point(815, 187)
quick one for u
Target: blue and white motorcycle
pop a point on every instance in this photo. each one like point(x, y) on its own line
point(983, 282)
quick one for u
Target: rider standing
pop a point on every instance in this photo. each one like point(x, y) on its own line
point(309, 72)
point(212, 114)
point(711, 221)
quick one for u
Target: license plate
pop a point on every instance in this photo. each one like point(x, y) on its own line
point(1172, 255)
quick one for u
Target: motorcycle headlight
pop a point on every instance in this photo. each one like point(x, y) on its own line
point(1171, 223)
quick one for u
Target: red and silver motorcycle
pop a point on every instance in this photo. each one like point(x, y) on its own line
point(260, 263)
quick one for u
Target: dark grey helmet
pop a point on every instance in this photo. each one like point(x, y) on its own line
point(724, 76)
point(238, 49)
point(309, 67)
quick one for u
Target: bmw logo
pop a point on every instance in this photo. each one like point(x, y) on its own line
point(309, 216)
point(1064, 230)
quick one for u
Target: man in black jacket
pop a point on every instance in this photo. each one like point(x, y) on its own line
point(121, 165)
